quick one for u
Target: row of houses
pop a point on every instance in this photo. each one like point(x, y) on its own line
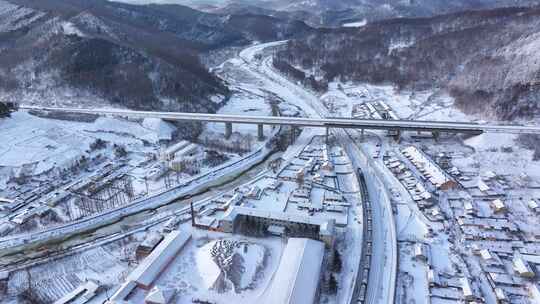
point(496, 242)
point(457, 288)
point(428, 168)
point(509, 275)
point(416, 188)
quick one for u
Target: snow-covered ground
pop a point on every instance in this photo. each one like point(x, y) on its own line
point(437, 106)
point(106, 265)
point(243, 103)
point(40, 145)
point(355, 24)
point(195, 273)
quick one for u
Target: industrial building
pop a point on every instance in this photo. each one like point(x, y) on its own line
point(146, 274)
point(148, 245)
point(154, 264)
point(294, 224)
point(297, 278)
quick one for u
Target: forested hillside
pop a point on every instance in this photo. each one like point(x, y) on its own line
point(488, 60)
point(94, 52)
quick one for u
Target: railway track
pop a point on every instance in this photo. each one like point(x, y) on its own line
point(367, 242)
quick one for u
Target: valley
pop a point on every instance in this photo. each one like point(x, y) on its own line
point(118, 184)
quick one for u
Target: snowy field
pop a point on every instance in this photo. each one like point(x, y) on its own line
point(46, 143)
point(243, 103)
point(39, 145)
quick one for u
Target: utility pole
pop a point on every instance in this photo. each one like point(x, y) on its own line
point(193, 224)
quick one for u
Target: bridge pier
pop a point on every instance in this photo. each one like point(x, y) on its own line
point(260, 132)
point(326, 135)
point(292, 135)
point(397, 135)
point(436, 135)
point(275, 108)
point(228, 130)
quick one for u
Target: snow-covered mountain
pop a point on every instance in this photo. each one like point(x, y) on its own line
point(338, 12)
point(98, 52)
point(488, 60)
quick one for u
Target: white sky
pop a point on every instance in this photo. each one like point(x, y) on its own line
point(172, 1)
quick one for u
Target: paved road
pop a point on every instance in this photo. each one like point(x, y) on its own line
point(384, 262)
point(317, 122)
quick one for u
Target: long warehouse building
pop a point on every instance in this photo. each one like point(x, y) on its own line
point(297, 279)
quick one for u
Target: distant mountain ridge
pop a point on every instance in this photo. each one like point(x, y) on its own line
point(338, 12)
point(335, 13)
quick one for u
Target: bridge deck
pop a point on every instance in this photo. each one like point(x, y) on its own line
point(374, 124)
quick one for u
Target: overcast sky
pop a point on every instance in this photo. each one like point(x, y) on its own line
point(171, 1)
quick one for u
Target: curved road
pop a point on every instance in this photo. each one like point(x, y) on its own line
point(382, 278)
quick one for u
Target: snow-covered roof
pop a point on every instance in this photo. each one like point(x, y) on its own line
point(482, 186)
point(468, 205)
point(333, 196)
point(276, 230)
point(189, 149)
point(421, 250)
point(158, 295)
point(423, 163)
point(335, 208)
point(532, 204)
point(81, 294)
point(151, 240)
point(326, 225)
point(154, 264)
point(498, 204)
point(499, 293)
point(274, 184)
point(466, 287)
point(176, 147)
point(297, 278)
point(534, 291)
point(121, 294)
point(522, 267)
point(489, 174)
point(486, 255)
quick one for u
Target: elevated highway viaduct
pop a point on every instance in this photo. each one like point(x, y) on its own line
point(398, 126)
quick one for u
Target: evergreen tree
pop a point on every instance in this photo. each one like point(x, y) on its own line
point(332, 285)
point(337, 263)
